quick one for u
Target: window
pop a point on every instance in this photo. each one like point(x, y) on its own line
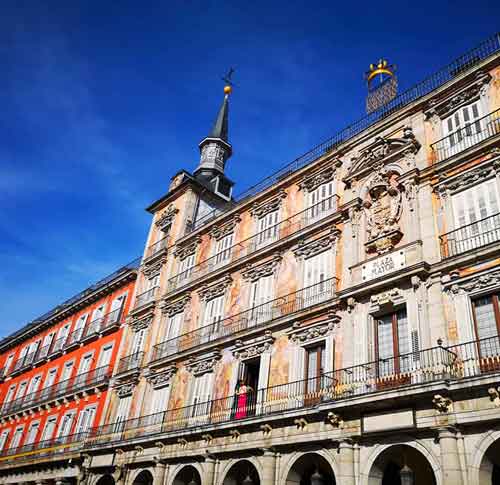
point(201, 392)
point(97, 320)
point(21, 391)
point(463, 125)
point(33, 348)
point(10, 394)
point(487, 324)
point(105, 357)
point(317, 269)
point(173, 331)
point(138, 342)
point(3, 439)
point(22, 355)
point(223, 249)
point(33, 388)
point(66, 424)
point(159, 400)
point(268, 229)
point(85, 419)
point(50, 426)
point(186, 267)
point(392, 343)
point(62, 335)
point(32, 433)
point(315, 369)
point(261, 292)
point(78, 330)
point(65, 375)
point(115, 311)
point(476, 216)
point(8, 363)
point(214, 313)
point(83, 370)
point(50, 380)
point(47, 342)
point(123, 408)
point(321, 201)
point(16, 437)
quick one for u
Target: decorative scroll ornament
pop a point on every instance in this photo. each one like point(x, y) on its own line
point(150, 270)
point(467, 95)
point(306, 249)
point(137, 324)
point(303, 334)
point(253, 348)
point(171, 308)
point(203, 364)
point(166, 218)
point(383, 208)
point(253, 272)
point(260, 209)
point(468, 178)
point(313, 181)
point(209, 292)
point(390, 297)
point(187, 249)
point(478, 282)
point(125, 390)
point(162, 379)
point(219, 231)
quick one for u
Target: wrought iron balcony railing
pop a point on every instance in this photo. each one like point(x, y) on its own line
point(477, 358)
point(473, 236)
point(56, 445)
point(256, 316)
point(466, 61)
point(130, 363)
point(78, 383)
point(282, 230)
point(103, 324)
point(156, 248)
point(146, 297)
point(468, 136)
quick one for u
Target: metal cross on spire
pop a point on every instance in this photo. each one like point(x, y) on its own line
point(227, 78)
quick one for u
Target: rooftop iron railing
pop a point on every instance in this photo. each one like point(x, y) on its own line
point(461, 64)
point(74, 384)
point(130, 362)
point(254, 317)
point(282, 230)
point(470, 135)
point(60, 444)
point(476, 358)
point(157, 247)
point(469, 237)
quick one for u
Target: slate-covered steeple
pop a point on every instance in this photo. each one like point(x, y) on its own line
point(215, 149)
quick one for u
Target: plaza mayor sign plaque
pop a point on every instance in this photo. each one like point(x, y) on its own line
point(383, 265)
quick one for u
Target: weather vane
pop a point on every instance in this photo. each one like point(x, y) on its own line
point(228, 76)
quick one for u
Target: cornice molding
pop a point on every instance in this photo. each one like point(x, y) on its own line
point(303, 334)
point(152, 269)
point(473, 283)
point(140, 323)
point(125, 389)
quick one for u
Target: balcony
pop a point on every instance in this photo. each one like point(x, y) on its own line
point(76, 384)
point(282, 230)
point(468, 136)
point(408, 371)
point(157, 249)
point(74, 339)
point(57, 346)
point(254, 317)
point(473, 236)
point(102, 325)
point(59, 445)
point(130, 363)
point(146, 297)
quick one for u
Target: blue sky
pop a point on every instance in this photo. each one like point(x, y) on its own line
point(101, 102)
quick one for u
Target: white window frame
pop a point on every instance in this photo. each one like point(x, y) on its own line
point(51, 420)
point(8, 363)
point(64, 429)
point(21, 390)
point(321, 201)
point(123, 408)
point(17, 436)
point(261, 292)
point(268, 228)
point(186, 266)
point(30, 438)
point(201, 394)
point(4, 436)
point(222, 249)
point(86, 419)
point(116, 308)
point(105, 348)
point(159, 399)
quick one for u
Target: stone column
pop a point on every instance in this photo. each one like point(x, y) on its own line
point(346, 463)
point(450, 457)
point(268, 467)
point(209, 471)
point(161, 469)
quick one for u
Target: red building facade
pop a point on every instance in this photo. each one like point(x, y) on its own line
point(55, 372)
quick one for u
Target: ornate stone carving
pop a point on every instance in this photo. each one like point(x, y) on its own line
point(303, 334)
point(137, 324)
point(313, 181)
point(494, 394)
point(411, 188)
point(253, 348)
point(301, 423)
point(383, 208)
point(253, 272)
point(203, 364)
point(477, 282)
point(334, 419)
point(188, 248)
point(166, 218)
point(355, 218)
point(260, 209)
point(209, 292)
point(442, 404)
point(473, 91)
point(163, 378)
point(266, 429)
point(306, 249)
point(171, 308)
point(125, 389)
point(467, 179)
point(219, 231)
point(150, 270)
point(391, 297)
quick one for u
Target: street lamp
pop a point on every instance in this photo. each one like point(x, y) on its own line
point(317, 478)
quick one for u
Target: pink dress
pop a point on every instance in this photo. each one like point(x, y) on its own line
point(241, 406)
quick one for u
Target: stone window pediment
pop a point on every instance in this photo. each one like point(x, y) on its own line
point(187, 249)
point(203, 363)
point(253, 272)
point(139, 323)
point(125, 389)
point(273, 203)
point(171, 308)
point(325, 174)
point(213, 290)
point(166, 218)
point(477, 283)
point(306, 249)
point(254, 347)
point(224, 229)
point(153, 269)
point(162, 378)
point(386, 300)
point(305, 334)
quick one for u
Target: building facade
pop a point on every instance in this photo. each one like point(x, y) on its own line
point(339, 323)
point(56, 374)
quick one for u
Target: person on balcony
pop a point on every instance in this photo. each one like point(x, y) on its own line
point(243, 400)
